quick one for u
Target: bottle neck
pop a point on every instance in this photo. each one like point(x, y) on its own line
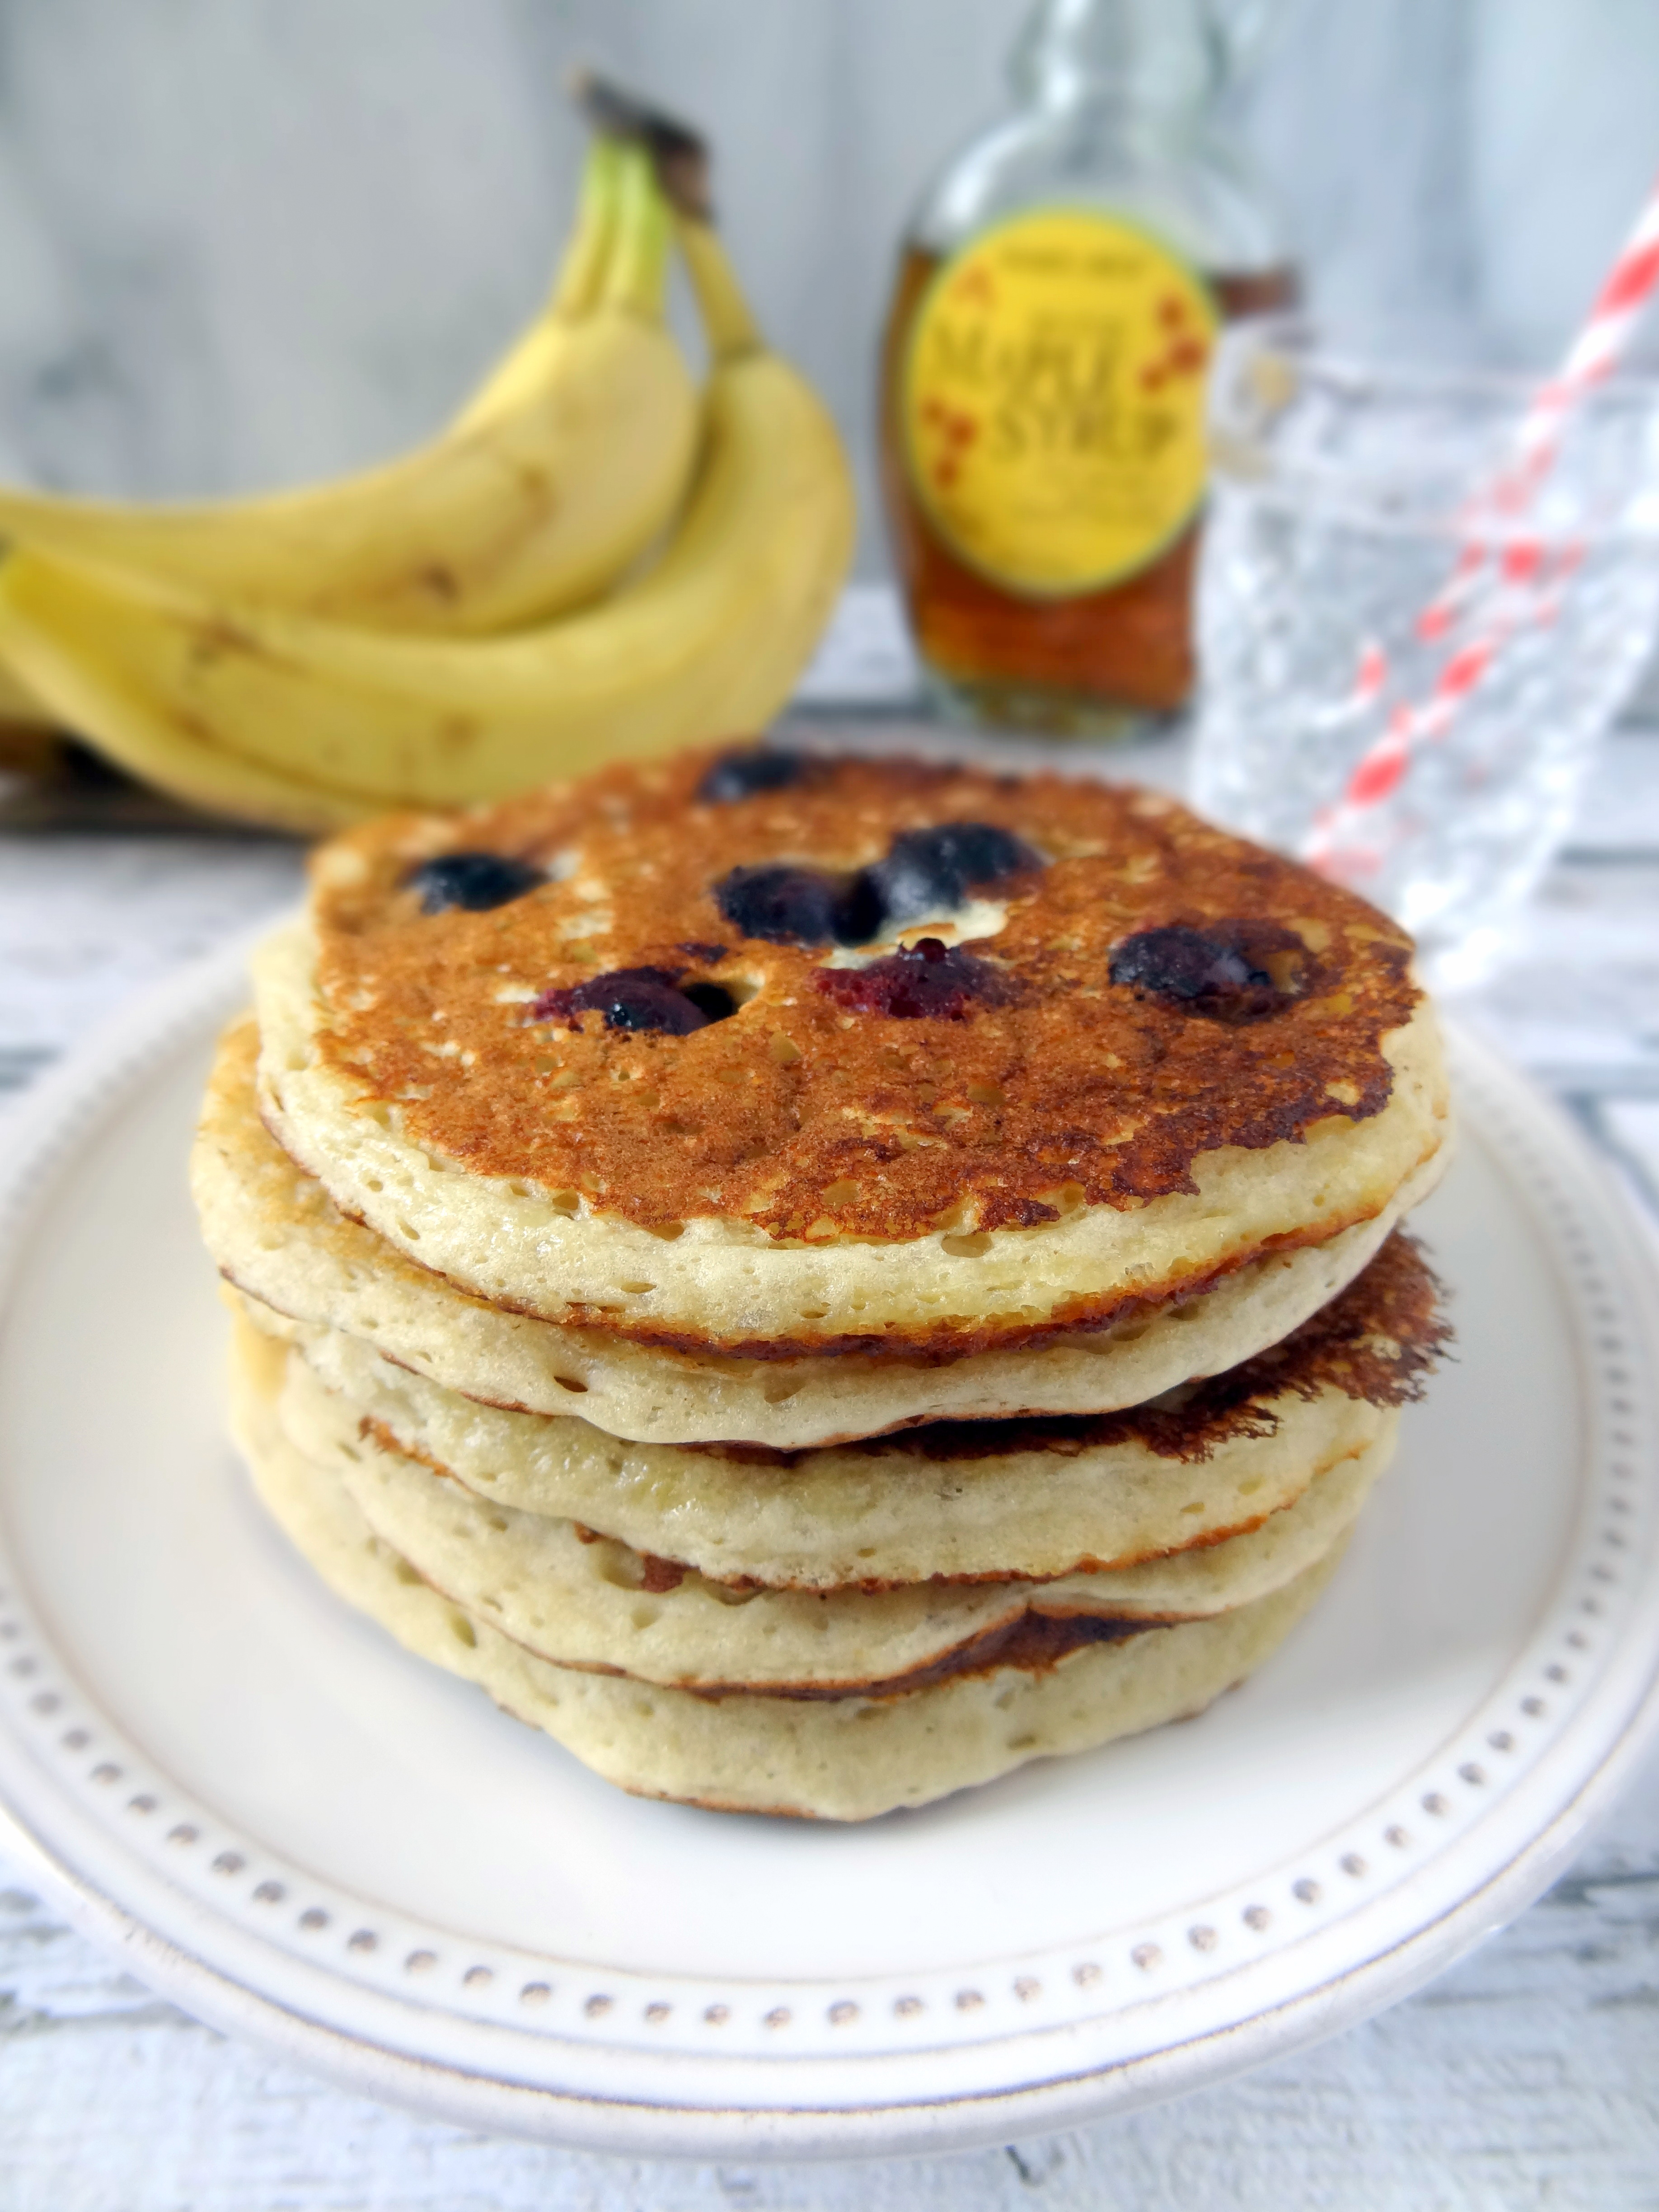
point(1161, 62)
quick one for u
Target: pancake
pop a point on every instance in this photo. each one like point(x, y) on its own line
point(886, 1058)
point(585, 1601)
point(1036, 1498)
point(275, 1233)
point(844, 1759)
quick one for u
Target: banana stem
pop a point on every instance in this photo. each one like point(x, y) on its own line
point(726, 318)
point(579, 283)
point(637, 276)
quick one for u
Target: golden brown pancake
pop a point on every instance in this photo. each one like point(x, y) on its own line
point(844, 1759)
point(1102, 1058)
point(275, 1233)
point(953, 1502)
point(705, 1086)
point(586, 1601)
point(799, 1114)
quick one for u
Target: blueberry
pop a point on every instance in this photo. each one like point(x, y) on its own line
point(792, 905)
point(741, 775)
point(861, 911)
point(472, 881)
point(925, 981)
point(1229, 971)
point(784, 905)
point(637, 999)
point(933, 871)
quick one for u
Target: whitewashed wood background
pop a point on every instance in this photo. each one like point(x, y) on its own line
point(248, 241)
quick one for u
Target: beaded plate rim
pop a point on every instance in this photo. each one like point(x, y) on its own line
point(622, 2060)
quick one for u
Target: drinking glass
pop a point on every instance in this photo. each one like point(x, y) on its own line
point(1356, 521)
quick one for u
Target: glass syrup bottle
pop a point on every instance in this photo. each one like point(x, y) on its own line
point(1043, 371)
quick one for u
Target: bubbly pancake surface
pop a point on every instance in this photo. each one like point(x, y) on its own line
point(1054, 1087)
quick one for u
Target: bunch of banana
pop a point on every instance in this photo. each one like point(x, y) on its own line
point(430, 633)
point(572, 459)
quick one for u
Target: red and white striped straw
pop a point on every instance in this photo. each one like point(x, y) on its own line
point(1601, 344)
point(1523, 565)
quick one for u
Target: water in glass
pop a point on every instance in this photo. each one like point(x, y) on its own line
point(1344, 498)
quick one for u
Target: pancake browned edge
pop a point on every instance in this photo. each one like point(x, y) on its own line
point(973, 1502)
point(276, 1234)
point(840, 1758)
point(583, 1600)
point(1158, 1053)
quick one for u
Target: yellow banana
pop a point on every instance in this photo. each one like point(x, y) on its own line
point(160, 744)
point(708, 643)
point(528, 366)
point(573, 458)
point(577, 289)
point(19, 706)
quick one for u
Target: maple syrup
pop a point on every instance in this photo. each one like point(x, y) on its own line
point(1044, 371)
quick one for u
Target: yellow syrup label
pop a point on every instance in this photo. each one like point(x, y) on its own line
point(1053, 400)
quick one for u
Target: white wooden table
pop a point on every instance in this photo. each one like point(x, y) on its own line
point(1527, 2077)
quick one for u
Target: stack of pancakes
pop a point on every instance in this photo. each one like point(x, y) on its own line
point(817, 1281)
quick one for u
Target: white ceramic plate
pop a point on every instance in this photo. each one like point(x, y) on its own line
point(304, 1835)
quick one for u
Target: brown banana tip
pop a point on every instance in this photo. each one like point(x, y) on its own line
point(679, 155)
